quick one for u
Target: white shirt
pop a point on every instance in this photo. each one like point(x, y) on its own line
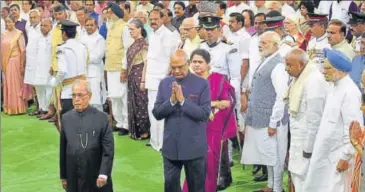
point(287, 10)
point(324, 7)
point(340, 11)
point(43, 60)
point(333, 141)
point(315, 50)
point(254, 61)
point(225, 60)
point(241, 41)
point(81, 32)
point(305, 123)
point(34, 33)
point(72, 58)
point(95, 44)
point(159, 52)
point(280, 80)
point(238, 9)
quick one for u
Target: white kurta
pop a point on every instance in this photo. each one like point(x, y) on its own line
point(161, 46)
point(333, 142)
point(95, 44)
point(34, 34)
point(304, 126)
point(259, 147)
point(42, 77)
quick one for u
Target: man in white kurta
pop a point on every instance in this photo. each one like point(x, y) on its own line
point(266, 125)
point(43, 62)
point(331, 164)
point(306, 98)
point(34, 33)
point(159, 52)
point(95, 44)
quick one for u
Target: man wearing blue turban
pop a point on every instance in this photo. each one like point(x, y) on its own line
point(333, 154)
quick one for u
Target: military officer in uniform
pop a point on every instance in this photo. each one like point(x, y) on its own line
point(72, 59)
point(226, 61)
point(318, 24)
point(357, 27)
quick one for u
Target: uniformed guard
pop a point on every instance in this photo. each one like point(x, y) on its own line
point(318, 24)
point(72, 60)
point(224, 60)
point(277, 24)
point(357, 27)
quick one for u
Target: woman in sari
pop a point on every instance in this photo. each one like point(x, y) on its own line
point(222, 124)
point(136, 60)
point(13, 63)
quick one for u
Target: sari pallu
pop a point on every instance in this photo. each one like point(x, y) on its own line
point(12, 46)
point(220, 89)
point(137, 100)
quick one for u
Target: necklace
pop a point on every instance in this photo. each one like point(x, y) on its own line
point(87, 138)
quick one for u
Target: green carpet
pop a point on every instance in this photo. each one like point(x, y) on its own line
point(30, 161)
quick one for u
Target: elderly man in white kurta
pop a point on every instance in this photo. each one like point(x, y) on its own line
point(43, 65)
point(306, 98)
point(159, 52)
point(266, 122)
point(331, 164)
point(95, 44)
point(34, 33)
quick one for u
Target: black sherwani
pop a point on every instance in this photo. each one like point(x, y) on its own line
point(86, 150)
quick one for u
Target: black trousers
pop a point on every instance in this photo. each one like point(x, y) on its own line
point(195, 171)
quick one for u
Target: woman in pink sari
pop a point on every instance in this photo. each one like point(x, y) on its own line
point(13, 61)
point(222, 124)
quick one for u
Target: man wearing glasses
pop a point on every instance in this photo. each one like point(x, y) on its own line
point(86, 145)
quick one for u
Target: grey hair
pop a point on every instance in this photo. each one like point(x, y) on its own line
point(36, 11)
point(274, 37)
point(137, 22)
point(81, 81)
point(301, 55)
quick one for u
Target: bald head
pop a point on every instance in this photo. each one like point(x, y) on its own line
point(296, 60)
point(179, 64)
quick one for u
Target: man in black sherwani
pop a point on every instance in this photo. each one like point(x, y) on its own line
point(86, 145)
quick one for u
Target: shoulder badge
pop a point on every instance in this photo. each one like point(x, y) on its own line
point(233, 51)
point(61, 44)
point(227, 42)
point(59, 52)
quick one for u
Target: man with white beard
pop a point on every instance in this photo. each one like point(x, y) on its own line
point(306, 98)
point(95, 44)
point(43, 62)
point(331, 164)
point(266, 122)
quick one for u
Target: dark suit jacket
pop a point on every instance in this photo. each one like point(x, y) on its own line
point(185, 126)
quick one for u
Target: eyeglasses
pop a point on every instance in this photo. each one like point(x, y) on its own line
point(79, 95)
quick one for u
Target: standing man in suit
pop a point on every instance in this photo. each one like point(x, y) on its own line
point(183, 101)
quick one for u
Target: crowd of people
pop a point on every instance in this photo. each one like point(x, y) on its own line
point(279, 81)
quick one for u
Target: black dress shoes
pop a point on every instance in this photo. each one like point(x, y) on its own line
point(256, 169)
point(260, 178)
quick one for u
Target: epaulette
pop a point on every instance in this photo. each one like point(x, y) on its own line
point(59, 52)
point(61, 43)
point(234, 50)
point(226, 42)
point(203, 41)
